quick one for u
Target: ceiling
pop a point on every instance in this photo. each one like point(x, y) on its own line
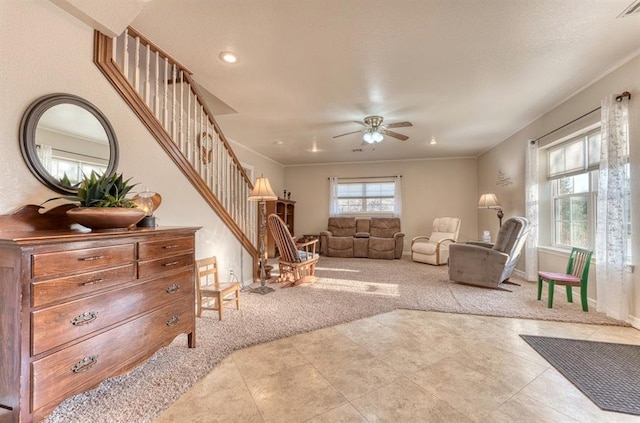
point(466, 73)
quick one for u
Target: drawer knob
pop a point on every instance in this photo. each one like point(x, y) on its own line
point(92, 258)
point(171, 263)
point(173, 288)
point(85, 364)
point(167, 247)
point(85, 318)
point(92, 282)
point(173, 320)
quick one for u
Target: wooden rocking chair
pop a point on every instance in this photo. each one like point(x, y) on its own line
point(297, 262)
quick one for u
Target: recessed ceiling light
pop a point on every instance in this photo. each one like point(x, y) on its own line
point(278, 142)
point(228, 57)
point(433, 141)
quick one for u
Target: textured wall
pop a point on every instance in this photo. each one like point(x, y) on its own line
point(509, 156)
point(56, 55)
point(431, 188)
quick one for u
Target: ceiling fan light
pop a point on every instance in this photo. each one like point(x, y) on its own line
point(368, 138)
point(377, 136)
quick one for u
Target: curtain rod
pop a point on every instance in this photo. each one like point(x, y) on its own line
point(619, 98)
point(371, 177)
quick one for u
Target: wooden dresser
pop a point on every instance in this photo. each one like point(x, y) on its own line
point(77, 308)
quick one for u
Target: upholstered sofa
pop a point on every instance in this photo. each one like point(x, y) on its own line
point(377, 237)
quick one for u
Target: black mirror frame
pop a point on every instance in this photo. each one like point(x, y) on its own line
point(28, 126)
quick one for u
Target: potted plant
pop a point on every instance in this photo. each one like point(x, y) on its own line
point(103, 203)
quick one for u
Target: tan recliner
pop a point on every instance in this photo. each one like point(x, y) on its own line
point(489, 265)
point(434, 249)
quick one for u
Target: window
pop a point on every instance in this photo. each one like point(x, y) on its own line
point(370, 196)
point(73, 170)
point(573, 171)
point(574, 200)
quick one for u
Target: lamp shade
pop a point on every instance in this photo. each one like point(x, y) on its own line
point(262, 191)
point(489, 201)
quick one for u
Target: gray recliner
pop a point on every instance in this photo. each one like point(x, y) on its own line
point(489, 265)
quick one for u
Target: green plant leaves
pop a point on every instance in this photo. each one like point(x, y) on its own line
point(102, 191)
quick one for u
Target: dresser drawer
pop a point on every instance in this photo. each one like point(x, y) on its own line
point(57, 325)
point(52, 290)
point(148, 250)
point(61, 262)
point(81, 366)
point(163, 265)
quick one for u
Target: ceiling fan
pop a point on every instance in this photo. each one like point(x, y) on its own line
point(374, 130)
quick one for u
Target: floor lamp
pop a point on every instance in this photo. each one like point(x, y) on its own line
point(262, 193)
point(490, 201)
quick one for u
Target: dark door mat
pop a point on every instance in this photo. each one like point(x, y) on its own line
point(609, 374)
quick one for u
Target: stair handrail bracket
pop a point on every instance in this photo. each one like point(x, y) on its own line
point(164, 96)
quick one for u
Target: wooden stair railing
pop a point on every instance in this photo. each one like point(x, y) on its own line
point(163, 95)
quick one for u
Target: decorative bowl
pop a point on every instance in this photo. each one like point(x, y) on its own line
point(106, 217)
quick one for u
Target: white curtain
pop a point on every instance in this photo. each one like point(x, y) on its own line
point(397, 209)
point(531, 212)
point(612, 282)
point(44, 152)
point(334, 210)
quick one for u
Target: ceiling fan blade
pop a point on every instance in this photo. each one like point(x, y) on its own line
point(359, 122)
point(348, 133)
point(399, 125)
point(395, 135)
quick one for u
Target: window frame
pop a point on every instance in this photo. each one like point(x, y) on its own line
point(365, 181)
point(591, 194)
point(592, 201)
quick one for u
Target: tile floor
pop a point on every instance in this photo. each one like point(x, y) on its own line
point(403, 366)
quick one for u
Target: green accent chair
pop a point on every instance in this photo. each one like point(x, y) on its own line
point(577, 275)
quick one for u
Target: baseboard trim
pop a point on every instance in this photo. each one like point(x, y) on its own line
point(520, 274)
point(634, 321)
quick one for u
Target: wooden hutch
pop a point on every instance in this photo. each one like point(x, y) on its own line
point(285, 209)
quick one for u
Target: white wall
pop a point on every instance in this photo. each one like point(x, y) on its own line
point(510, 156)
point(262, 165)
point(45, 50)
point(430, 189)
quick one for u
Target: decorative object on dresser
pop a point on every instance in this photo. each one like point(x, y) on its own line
point(297, 262)
point(285, 209)
point(434, 249)
point(148, 201)
point(262, 193)
point(104, 203)
point(67, 129)
point(78, 307)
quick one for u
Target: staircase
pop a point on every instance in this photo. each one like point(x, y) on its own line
point(163, 95)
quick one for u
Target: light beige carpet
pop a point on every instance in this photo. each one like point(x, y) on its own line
point(347, 289)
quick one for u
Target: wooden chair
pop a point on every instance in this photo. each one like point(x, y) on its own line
point(297, 261)
point(576, 275)
point(208, 286)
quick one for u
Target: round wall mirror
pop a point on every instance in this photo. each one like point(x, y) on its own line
point(63, 137)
